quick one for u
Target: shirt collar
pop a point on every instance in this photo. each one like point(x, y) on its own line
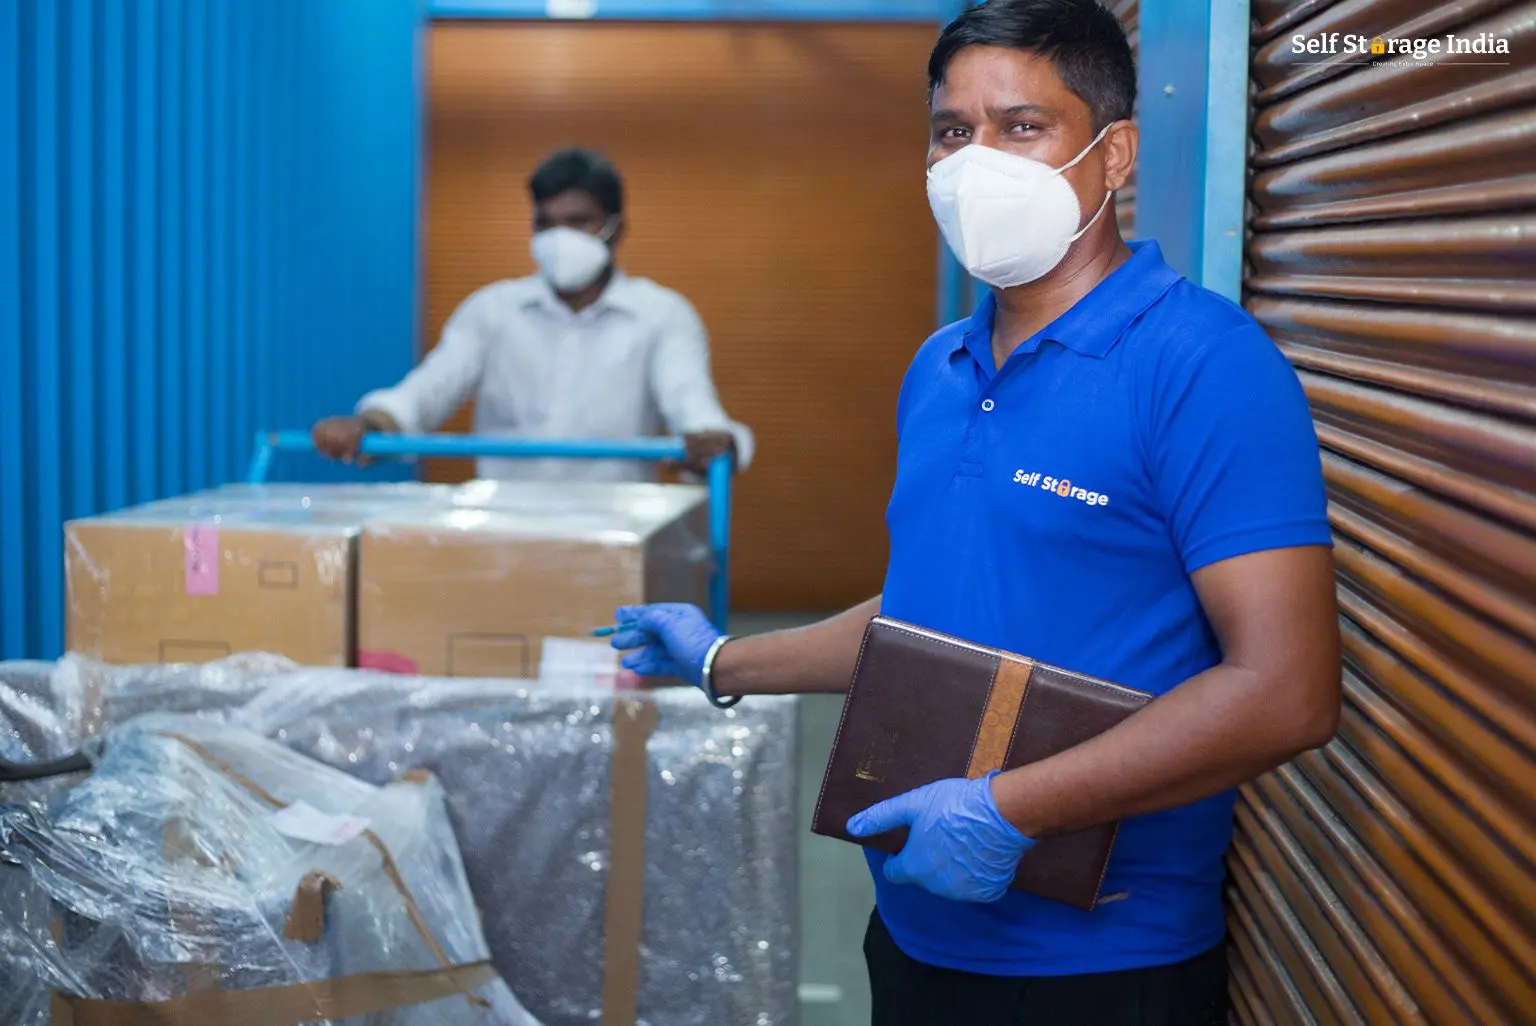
point(619, 295)
point(1093, 324)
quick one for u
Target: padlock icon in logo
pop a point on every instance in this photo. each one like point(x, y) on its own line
point(1378, 45)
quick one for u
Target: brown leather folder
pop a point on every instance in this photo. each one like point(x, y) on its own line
point(924, 706)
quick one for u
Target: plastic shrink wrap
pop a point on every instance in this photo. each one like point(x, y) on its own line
point(203, 874)
point(633, 861)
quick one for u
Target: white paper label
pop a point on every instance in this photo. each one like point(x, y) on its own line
point(571, 8)
point(303, 822)
point(578, 659)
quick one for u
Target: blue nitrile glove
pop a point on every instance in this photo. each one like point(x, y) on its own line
point(960, 847)
point(671, 639)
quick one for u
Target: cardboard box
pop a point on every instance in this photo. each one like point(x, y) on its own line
point(191, 580)
point(477, 590)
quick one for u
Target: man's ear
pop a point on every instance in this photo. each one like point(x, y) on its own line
point(1120, 145)
point(619, 225)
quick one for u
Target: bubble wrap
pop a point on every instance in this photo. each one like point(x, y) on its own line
point(164, 866)
point(527, 772)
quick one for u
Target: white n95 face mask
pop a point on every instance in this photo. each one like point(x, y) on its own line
point(571, 259)
point(1008, 219)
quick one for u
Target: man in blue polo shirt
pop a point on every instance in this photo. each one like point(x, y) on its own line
point(1108, 468)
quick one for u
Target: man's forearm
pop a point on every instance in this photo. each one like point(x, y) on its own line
point(1216, 730)
point(816, 658)
point(1276, 693)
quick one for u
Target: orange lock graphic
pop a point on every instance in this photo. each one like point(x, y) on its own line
point(1378, 45)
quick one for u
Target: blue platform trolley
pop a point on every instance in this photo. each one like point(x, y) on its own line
point(651, 450)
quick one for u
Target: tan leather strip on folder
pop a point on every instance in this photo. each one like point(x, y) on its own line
point(1000, 717)
point(634, 720)
point(289, 1005)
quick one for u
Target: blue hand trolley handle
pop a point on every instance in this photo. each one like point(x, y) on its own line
point(270, 443)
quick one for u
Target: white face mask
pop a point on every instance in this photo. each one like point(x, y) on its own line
point(571, 259)
point(1009, 219)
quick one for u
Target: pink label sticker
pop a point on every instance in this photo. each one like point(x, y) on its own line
point(202, 560)
point(385, 661)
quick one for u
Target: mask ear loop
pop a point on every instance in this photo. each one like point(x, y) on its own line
point(1082, 231)
point(1107, 194)
point(1073, 162)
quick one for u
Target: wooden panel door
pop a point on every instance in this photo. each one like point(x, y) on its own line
point(775, 177)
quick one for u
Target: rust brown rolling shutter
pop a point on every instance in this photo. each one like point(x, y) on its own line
point(1129, 13)
point(775, 178)
point(1389, 878)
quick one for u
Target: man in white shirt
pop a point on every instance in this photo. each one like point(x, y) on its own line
point(580, 350)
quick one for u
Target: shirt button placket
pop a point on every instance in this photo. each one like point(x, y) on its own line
point(971, 462)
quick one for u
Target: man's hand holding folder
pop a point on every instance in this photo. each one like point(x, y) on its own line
point(958, 845)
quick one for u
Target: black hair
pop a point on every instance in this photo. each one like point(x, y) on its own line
point(1082, 38)
point(576, 168)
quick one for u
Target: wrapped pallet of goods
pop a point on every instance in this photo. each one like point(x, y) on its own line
point(632, 856)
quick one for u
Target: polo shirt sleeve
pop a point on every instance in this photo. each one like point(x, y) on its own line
point(1233, 453)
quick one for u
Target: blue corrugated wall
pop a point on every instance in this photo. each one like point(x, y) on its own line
point(208, 223)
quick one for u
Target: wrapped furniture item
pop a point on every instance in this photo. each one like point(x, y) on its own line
point(46, 711)
point(633, 863)
point(38, 720)
point(204, 874)
point(39, 723)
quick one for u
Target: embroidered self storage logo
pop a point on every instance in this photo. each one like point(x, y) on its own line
point(1059, 486)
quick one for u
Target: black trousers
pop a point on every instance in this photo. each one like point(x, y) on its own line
point(911, 993)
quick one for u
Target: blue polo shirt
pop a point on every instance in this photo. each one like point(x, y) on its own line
point(1056, 507)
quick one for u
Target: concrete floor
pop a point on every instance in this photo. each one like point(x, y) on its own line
point(835, 892)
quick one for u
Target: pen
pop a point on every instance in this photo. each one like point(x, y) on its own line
point(603, 632)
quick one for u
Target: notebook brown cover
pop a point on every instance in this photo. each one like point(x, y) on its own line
point(924, 706)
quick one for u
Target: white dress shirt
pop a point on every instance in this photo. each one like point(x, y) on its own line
point(634, 363)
